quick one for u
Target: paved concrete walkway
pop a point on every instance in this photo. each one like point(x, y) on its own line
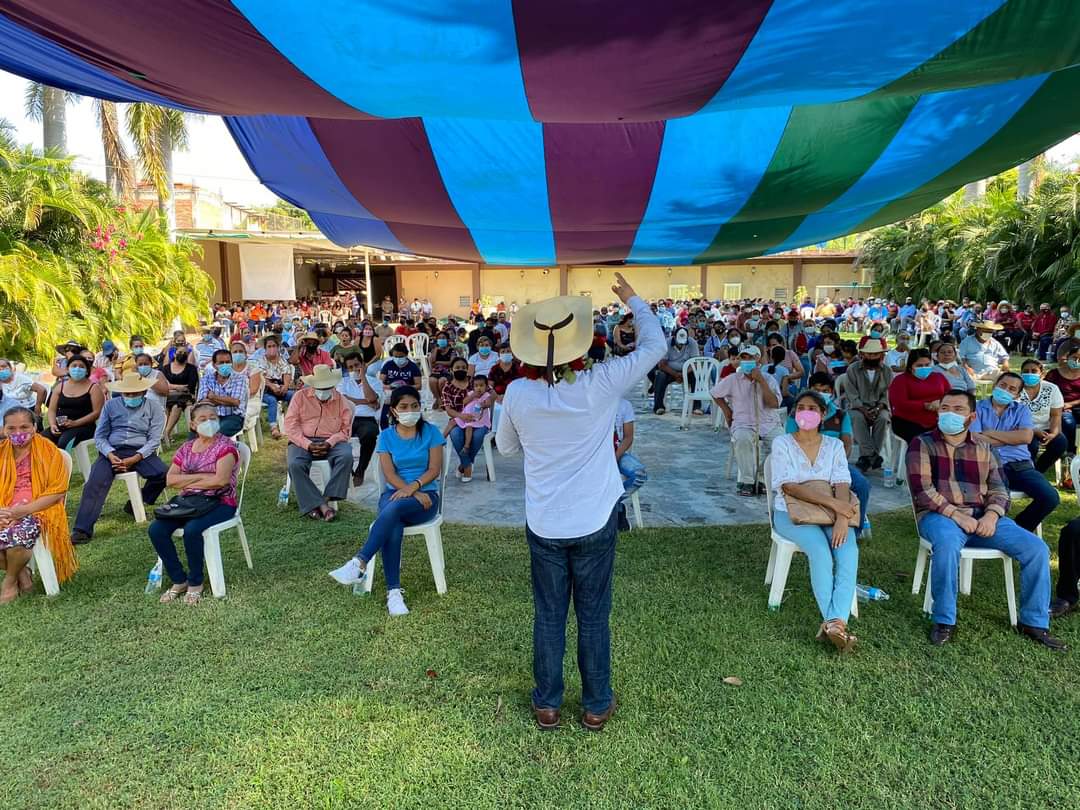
point(688, 482)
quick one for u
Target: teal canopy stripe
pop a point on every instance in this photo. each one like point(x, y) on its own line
point(534, 133)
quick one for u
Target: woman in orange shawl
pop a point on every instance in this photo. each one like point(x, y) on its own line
point(33, 485)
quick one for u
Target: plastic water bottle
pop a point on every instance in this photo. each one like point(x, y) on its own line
point(868, 593)
point(888, 479)
point(358, 589)
point(866, 532)
point(283, 497)
point(153, 579)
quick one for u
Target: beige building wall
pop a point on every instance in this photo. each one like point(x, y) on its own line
point(210, 262)
point(521, 285)
point(232, 257)
point(648, 282)
point(447, 292)
point(754, 280)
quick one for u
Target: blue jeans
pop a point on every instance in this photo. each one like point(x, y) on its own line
point(1044, 346)
point(161, 538)
point(633, 473)
point(948, 541)
point(861, 487)
point(585, 568)
point(1068, 427)
point(389, 528)
point(271, 403)
point(468, 455)
point(1022, 476)
point(832, 570)
point(1045, 457)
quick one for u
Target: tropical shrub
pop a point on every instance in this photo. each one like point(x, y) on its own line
point(76, 266)
point(996, 247)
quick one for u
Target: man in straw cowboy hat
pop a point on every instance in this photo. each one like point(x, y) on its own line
point(318, 425)
point(986, 357)
point(127, 439)
point(562, 415)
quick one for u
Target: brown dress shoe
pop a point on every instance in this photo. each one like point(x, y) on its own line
point(596, 722)
point(546, 719)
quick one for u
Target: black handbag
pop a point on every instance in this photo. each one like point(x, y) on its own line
point(186, 507)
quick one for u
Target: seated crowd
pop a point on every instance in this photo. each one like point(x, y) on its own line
point(786, 382)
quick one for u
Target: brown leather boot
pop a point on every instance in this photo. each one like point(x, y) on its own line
point(546, 719)
point(596, 722)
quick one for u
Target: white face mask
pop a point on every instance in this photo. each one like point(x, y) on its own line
point(408, 418)
point(209, 428)
point(323, 394)
point(948, 366)
point(735, 340)
point(357, 375)
point(828, 348)
point(680, 337)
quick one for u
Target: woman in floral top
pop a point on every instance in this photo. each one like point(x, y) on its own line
point(205, 465)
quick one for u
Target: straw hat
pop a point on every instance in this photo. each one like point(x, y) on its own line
point(321, 377)
point(131, 383)
point(552, 332)
point(872, 345)
point(309, 336)
point(987, 326)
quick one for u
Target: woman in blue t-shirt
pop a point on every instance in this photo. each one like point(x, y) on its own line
point(411, 460)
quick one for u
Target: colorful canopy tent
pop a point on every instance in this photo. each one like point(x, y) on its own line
point(547, 131)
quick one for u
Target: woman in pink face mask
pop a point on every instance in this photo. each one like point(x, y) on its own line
point(33, 484)
point(809, 456)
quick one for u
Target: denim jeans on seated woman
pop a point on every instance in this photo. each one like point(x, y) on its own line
point(861, 487)
point(468, 455)
point(161, 532)
point(832, 570)
point(584, 567)
point(389, 528)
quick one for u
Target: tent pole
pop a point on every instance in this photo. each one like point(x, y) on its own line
point(367, 282)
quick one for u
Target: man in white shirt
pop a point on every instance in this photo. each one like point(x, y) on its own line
point(750, 401)
point(982, 354)
point(563, 423)
point(896, 359)
point(360, 385)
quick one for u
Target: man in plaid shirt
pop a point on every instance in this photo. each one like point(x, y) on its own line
point(961, 499)
point(227, 390)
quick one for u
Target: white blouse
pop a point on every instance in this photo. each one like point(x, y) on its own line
point(790, 465)
point(1048, 398)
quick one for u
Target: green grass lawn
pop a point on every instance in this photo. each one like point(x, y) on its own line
point(295, 693)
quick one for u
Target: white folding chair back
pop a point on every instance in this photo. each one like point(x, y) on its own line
point(320, 476)
point(704, 369)
point(81, 451)
point(1074, 471)
point(925, 562)
point(41, 560)
point(131, 481)
point(782, 552)
point(1015, 495)
point(489, 455)
point(431, 532)
point(390, 341)
point(418, 346)
point(215, 571)
point(839, 386)
point(635, 504)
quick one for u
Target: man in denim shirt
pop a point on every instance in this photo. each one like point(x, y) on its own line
point(127, 438)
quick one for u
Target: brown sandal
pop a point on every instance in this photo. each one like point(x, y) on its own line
point(191, 598)
point(836, 631)
point(174, 593)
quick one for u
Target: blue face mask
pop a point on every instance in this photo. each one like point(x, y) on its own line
point(484, 351)
point(922, 372)
point(225, 369)
point(77, 373)
point(747, 366)
point(875, 334)
point(825, 395)
point(239, 358)
point(401, 361)
point(441, 343)
point(5, 375)
point(1030, 379)
point(133, 402)
point(950, 423)
point(144, 370)
point(1001, 397)
point(1073, 363)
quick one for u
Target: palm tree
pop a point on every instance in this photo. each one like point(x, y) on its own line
point(156, 131)
point(49, 106)
point(119, 173)
point(1028, 175)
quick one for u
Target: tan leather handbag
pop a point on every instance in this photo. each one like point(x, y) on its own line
point(803, 512)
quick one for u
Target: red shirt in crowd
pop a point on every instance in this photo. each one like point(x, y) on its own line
point(908, 394)
point(1044, 324)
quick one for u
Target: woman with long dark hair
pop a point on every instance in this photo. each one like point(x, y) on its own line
point(411, 459)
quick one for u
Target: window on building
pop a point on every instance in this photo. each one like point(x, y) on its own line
point(678, 292)
point(464, 301)
point(779, 294)
point(732, 292)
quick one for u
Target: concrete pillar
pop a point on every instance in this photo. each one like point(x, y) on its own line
point(564, 279)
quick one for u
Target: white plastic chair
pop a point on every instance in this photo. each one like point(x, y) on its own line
point(320, 476)
point(489, 455)
point(635, 504)
point(839, 385)
point(781, 553)
point(390, 341)
point(41, 561)
point(215, 571)
point(81, 452)
point(704, 370)
point(431, 532)
point(1015, 494)
point(925, 562)
point(418, 351)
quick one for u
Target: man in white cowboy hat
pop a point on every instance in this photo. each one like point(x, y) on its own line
point(866, 386)
point(318, 425)
point(982, 354)
point(564, 422)
point(127, 439)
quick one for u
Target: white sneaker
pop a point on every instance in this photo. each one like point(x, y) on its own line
point(349, 574)
point(395, 602)
point(466, 479)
